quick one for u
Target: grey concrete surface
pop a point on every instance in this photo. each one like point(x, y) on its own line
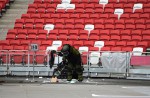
point(12, 87)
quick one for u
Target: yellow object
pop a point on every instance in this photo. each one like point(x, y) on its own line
point(54, 79)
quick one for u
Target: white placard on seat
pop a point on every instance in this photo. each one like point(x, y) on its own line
point(66, 1)
point(137, 6)
point(49, 27)
point(119, 12)
point(103, 2)
point(70, 6)
point(89, 27)
point(99, 44)
point(61, 6)
point(54, 45)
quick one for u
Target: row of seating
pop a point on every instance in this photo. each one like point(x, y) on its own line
point(79, 26)
point(88, 1)
point(90, 5)
point(87, 10)
point(78, 32)
point(76, 37)
point(82, 20)
point(80, 16)
point(24, 44)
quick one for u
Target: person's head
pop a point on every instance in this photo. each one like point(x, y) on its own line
point(65, 50)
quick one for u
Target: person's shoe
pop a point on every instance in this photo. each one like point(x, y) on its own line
point(80, 78)
point(69, 78)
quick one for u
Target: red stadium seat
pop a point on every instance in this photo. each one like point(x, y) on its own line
point(121, 43)
point(10, 37)
point(88, 43)
point(68, 42)
point(63, 37)
point(74, 32)
point(116, 48)
point(73, 37)
point(83, 37)
point(94, 37)
point(46, 43)
point(126, 38)
point(105, 37)
point(52, 37)
point(110, 43)
point(78, 43)
point(136, 38)
point(94, 32)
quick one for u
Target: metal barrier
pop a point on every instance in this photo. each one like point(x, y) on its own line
point(95, 63)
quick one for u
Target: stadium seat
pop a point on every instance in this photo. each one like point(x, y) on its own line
point(115, 37)
point(94, 58)
point(88, 43)
point(29, 21)
point(68, 42)
point(41, 37)
point(77, 44)
point(10, 37)
point(116, 49)
point(94, 32)
point(121, 43)
point(83, 37)
point(52, 37)
point(110, 43)
point(55, 45)
point(94, 37)
point(127, 49)
point(21, 37)
point(104, 32)
point(114, 32)
point(104, 37)
point(132, 43)
point(65, 16)
point(105, 48)
point(73, 37)
point(99, 44)
point(137, 51)
point(74, 32)
point(63, 37)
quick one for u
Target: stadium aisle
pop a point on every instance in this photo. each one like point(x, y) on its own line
point(8, 19)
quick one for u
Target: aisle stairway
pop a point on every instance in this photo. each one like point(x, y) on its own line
point(7, 20)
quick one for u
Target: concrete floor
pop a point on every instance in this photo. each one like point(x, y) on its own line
point(12, 87)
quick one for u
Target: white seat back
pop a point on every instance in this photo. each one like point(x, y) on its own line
point(94, 58)
point(57, 43)
point(137, 51)
point(83, 49)
point(54, 46)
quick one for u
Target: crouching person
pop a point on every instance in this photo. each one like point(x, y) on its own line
point(73, 63)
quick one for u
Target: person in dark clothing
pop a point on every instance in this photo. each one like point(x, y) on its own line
point(71, 61)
